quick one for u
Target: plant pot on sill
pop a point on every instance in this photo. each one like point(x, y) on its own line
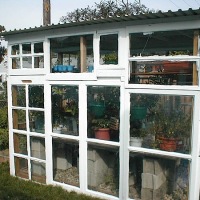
point(98, 109)
point(136, 141)
point(102, 133)
point(169, 144)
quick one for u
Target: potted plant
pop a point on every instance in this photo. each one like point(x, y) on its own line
point(140, 103)
point(97, 105)
point(111, 58)
point(101, 128)
point(137, 133)
point(171, 128)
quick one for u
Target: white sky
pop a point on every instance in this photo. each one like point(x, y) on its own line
point(20, 14)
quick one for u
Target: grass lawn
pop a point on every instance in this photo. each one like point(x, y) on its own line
point(16, 189)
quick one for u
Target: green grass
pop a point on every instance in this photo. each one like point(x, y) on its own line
point(13, 188)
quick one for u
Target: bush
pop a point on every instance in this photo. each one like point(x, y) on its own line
point(4, 136)
point(16, 189)
point(4, 118)
point(4, 139)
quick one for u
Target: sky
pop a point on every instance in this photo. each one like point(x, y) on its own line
point(20, 14)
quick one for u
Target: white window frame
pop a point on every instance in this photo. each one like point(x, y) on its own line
point(23, 81)
point(32, 55)
point(195, 139)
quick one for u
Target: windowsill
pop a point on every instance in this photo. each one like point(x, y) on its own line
point(71, 76)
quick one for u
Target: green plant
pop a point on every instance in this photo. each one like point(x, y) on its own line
point(100, 123)
point(140, 133)
point(110, 57)
point(144, 100)
point(4, 139)
point(174, 124)
point(4, 117)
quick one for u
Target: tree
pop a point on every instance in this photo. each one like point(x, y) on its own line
point(105, 9)
point(2, 49)
point(2, 53)
point(2, 28)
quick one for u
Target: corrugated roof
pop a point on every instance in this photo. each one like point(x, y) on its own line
point(148, 16)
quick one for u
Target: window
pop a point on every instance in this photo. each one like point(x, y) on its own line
point(28, 130)
point(161, 122)
point(72, 54)
point(163, 58)
point(66, 162)
point(65, 110)
point(27, 56)
point(109, 49)
point(103, 112)
point(157, 177)
point(103, 169)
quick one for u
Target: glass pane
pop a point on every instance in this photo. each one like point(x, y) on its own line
point(71, 54)
point(21, 167)
point(15, 50)
point(20, 143)
point(36, 96)
point(38, 47)
point(37, 147)
point(66, 162)
point(26, 48)
point(39, 62)
point(27, 62)
point(103, 112)
point(19, 119)
point(16, 63)
point(161, 122)
point(38, 171)
point(103, 169)
point(18, 96)
point(109, 49)
point(36, 121)
point(153, 178)
point(160, 43)
point(162, 72)
point(65, 109)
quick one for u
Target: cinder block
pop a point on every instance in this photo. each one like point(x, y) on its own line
point(146, 194)
point(147, 180)
point(158, 180)
point(158, 168)
point(97, 167)
point(148, 166)
point(149, 194)
point(158, 194)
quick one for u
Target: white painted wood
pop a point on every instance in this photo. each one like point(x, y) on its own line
point(10, 124)
point(195, 144)
point(83, 173)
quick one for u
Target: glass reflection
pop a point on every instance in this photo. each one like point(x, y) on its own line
point(161, 122)
point(154, 177)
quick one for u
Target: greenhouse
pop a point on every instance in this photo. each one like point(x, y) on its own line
point(108, 107)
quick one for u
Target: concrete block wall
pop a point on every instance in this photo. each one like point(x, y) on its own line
point(97, 167)
point(154, 180)
point(62, 158)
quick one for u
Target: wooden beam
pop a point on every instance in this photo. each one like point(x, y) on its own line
point(83, 54)
point(195, 51)
point(60, 58)
point(46, 12)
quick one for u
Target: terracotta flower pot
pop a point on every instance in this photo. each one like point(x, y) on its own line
point(168, 144)
point(102, 133)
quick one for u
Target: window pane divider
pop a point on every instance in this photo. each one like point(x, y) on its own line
point(168, 58)
point(158, 152)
